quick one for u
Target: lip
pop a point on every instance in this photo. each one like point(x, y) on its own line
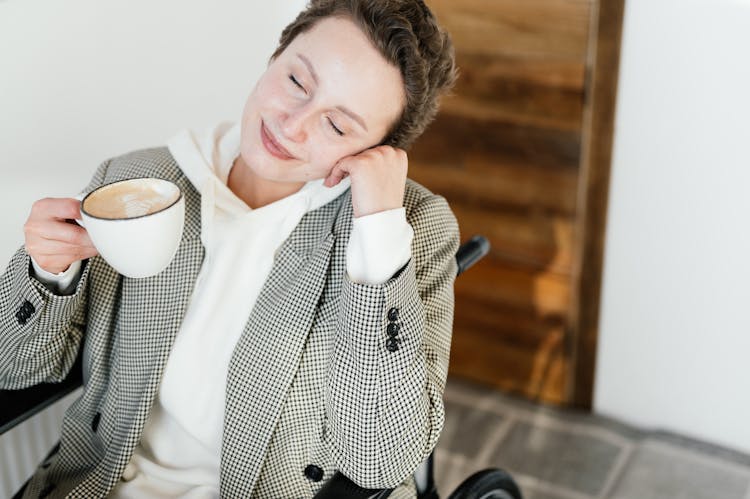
point(272, 145)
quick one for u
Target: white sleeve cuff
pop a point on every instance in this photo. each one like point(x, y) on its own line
point(63, 283)
point(379, 245)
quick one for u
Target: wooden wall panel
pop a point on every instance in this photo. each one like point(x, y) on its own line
point(556, 29)
point(474, 179)
point(538, 242)
point(505, 151)
point(593, 194)
point(531, 93)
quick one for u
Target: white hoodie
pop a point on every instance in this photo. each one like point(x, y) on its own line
point(179, 452)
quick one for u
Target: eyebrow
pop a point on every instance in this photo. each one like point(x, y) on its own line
point(343, 109)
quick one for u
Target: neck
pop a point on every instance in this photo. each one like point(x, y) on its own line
point(256, 191)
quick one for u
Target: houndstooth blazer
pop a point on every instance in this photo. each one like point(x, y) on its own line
point(311, 381)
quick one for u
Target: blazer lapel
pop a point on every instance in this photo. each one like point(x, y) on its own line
point(151, 316)
point(267, 356)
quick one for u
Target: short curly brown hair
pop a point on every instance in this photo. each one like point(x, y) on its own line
point(407, 34)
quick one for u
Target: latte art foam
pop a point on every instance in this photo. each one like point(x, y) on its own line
point(130, 199)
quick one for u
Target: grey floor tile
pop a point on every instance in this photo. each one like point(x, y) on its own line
point(466, 430)
point(577, 461)
point(700, 447)
point(661, 471)
point(568, 454)
point(527, 409)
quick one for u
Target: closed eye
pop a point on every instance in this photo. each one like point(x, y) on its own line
point(334, 127)
point(294, 80)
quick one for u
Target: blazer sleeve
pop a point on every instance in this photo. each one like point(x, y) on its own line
point(384, 395)
point(40, 331)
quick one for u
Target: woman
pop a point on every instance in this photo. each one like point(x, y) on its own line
point(304, 324)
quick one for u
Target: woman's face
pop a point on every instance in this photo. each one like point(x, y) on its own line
point(329, 95)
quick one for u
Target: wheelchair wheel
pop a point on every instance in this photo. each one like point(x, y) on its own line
point(488, 484)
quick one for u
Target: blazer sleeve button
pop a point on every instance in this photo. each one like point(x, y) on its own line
point(391, 344)
point(314, 473)
point(392, 329)
point(393, 314)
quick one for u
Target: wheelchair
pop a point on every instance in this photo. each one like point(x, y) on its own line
point(17, 406)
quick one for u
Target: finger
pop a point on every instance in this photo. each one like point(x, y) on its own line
point(55, 230)
point(58, 208)
point(337, 174)
point(56, 264)
point(62, 249)
point(56, 253)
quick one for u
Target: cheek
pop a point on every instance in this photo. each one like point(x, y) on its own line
point(327, 157)
point(265, 95)
point(320, 157)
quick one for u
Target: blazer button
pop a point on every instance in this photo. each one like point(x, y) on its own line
point(392, 329)
point(391, 344)
point(21, 318)
point(28, 307)
point(314, 473)
point(393, 314)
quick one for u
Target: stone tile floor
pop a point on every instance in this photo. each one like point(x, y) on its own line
point(559, 454)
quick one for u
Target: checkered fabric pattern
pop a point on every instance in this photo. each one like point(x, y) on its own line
point(311, 380)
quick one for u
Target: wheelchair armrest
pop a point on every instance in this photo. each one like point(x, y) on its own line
point(471, 252)
point(340, 486)
point(16, 406)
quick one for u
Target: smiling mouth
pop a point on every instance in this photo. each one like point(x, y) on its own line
point(271, 145)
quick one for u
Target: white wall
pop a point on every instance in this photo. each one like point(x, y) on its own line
point(674, 346)
point(83, 80)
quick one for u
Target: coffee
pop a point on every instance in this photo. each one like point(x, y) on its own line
point(131, 199)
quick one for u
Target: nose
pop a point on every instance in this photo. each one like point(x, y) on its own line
point(294, 124)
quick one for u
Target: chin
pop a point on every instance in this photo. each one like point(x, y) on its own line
point(263, 166)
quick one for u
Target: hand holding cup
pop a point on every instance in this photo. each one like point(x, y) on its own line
point(135, 225)
point(51, 236)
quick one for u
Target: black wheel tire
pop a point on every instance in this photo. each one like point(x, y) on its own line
point(488, 484)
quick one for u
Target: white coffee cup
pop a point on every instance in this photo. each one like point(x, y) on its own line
point(135, 224)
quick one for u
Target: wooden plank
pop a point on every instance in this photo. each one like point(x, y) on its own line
point(523, 326)
point(542, 108)
point(565, 74)
point(505, 142)
point(543, 293)
point(533, 239)
point(593, 198)
point(528, 28)
point(537, 371)
point(493, 184)
point(543, 94)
